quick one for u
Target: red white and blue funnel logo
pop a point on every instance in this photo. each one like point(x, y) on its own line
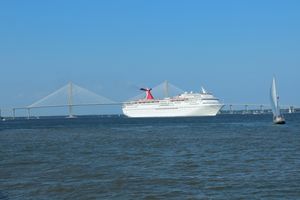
point(148, 93)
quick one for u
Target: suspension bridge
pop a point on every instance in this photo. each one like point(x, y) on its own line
point(72, 95)
point(69, 96)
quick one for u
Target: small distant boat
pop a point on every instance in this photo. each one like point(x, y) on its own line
point(71, 116)
point(277, 116)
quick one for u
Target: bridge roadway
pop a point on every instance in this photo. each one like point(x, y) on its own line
point(230, 107)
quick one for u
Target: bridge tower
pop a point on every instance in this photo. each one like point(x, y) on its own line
point(70, 100)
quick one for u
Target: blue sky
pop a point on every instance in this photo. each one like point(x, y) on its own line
point(233, 48)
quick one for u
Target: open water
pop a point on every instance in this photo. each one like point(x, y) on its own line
point(223, 157)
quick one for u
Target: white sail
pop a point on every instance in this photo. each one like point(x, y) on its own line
point(274, 99)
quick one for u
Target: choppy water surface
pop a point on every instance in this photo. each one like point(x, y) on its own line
point(223, 157)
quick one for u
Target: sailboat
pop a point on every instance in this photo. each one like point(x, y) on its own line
point(277, 116)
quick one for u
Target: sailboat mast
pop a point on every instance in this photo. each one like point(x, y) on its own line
point(277, 104)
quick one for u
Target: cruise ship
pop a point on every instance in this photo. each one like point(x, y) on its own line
point(183, 105)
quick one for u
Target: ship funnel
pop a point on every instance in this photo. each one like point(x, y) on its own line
point(148, 93)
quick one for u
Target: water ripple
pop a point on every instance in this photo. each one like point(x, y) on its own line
point(226, 157)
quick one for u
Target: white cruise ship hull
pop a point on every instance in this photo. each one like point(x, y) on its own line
point(171, 110)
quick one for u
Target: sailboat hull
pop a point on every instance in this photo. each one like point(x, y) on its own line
point(279, 120)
